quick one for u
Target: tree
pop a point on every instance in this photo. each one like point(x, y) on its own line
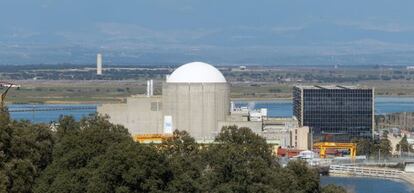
point(186, 162)
point(78, 145)
point(364, 146)
point(25, 150)
point(240, 161)
point(93, 155)
point(372, 148)
point(384, 146)
point(333, 189)
point(129, 167)
point(67, 126)
point(4, 116)
point(307, 178)
point(21, 174)
point(403, 145)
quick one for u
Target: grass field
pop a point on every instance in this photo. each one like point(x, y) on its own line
point(98, 91)
point(77, 84)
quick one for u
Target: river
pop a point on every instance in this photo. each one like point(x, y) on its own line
point(276, 108)
point(283, 108)
point(368, 185)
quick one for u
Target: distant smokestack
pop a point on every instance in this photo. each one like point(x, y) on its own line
point(150, 88)
point(99, 64)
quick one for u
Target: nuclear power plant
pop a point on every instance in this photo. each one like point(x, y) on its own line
point(195, 98)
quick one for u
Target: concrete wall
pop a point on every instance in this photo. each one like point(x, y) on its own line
point(140, 114)
point(196, 107)
point(301, 138)
point(116, 113)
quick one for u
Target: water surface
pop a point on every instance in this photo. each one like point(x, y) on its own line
point(276, 108)
point(368, 185)
point(50, 116)
point(283, 108)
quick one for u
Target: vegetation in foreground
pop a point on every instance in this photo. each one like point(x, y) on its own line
point(94, 155)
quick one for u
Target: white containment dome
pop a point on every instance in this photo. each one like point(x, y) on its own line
point(196, 72)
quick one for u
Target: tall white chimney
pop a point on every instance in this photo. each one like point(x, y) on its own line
point(99, 64)
point(148, 88)
point(152, 87)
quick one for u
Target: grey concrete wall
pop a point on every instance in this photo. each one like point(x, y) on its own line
point(137, 114)
point(116, 112)
point(142, 118)
point(196, 107)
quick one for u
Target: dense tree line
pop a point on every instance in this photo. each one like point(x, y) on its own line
point(25, 151)
point(93, 155)
point(374, 149)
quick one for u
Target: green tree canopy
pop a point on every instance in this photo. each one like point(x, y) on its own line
point(374, 148)
point(79, 144)
point(384, 146)
point(333, 189)
point(93, 155)
point(129, 167)
point(305, 177)
point(364, 146)
point(185, 159)
point(25, 151)
point(242, 161)
point(403, 145)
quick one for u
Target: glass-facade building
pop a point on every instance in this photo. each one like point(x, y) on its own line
point(335, 113)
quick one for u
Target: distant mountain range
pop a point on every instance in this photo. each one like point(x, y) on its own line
point(268, 32)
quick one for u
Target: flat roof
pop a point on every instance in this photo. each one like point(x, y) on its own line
point(331, 87)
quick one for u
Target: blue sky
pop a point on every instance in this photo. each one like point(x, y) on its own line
point(58, 31)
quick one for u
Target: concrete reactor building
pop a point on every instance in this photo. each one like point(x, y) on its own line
point(196, 98)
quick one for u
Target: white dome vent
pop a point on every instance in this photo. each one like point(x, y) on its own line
point(196, 72)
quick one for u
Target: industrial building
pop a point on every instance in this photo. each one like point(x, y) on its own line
point(335, 113)
point(195, 98)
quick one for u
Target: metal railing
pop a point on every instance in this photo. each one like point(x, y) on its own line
point(364, 171)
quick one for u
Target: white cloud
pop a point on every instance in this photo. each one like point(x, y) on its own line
point(377, 26)
point(286, 29)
